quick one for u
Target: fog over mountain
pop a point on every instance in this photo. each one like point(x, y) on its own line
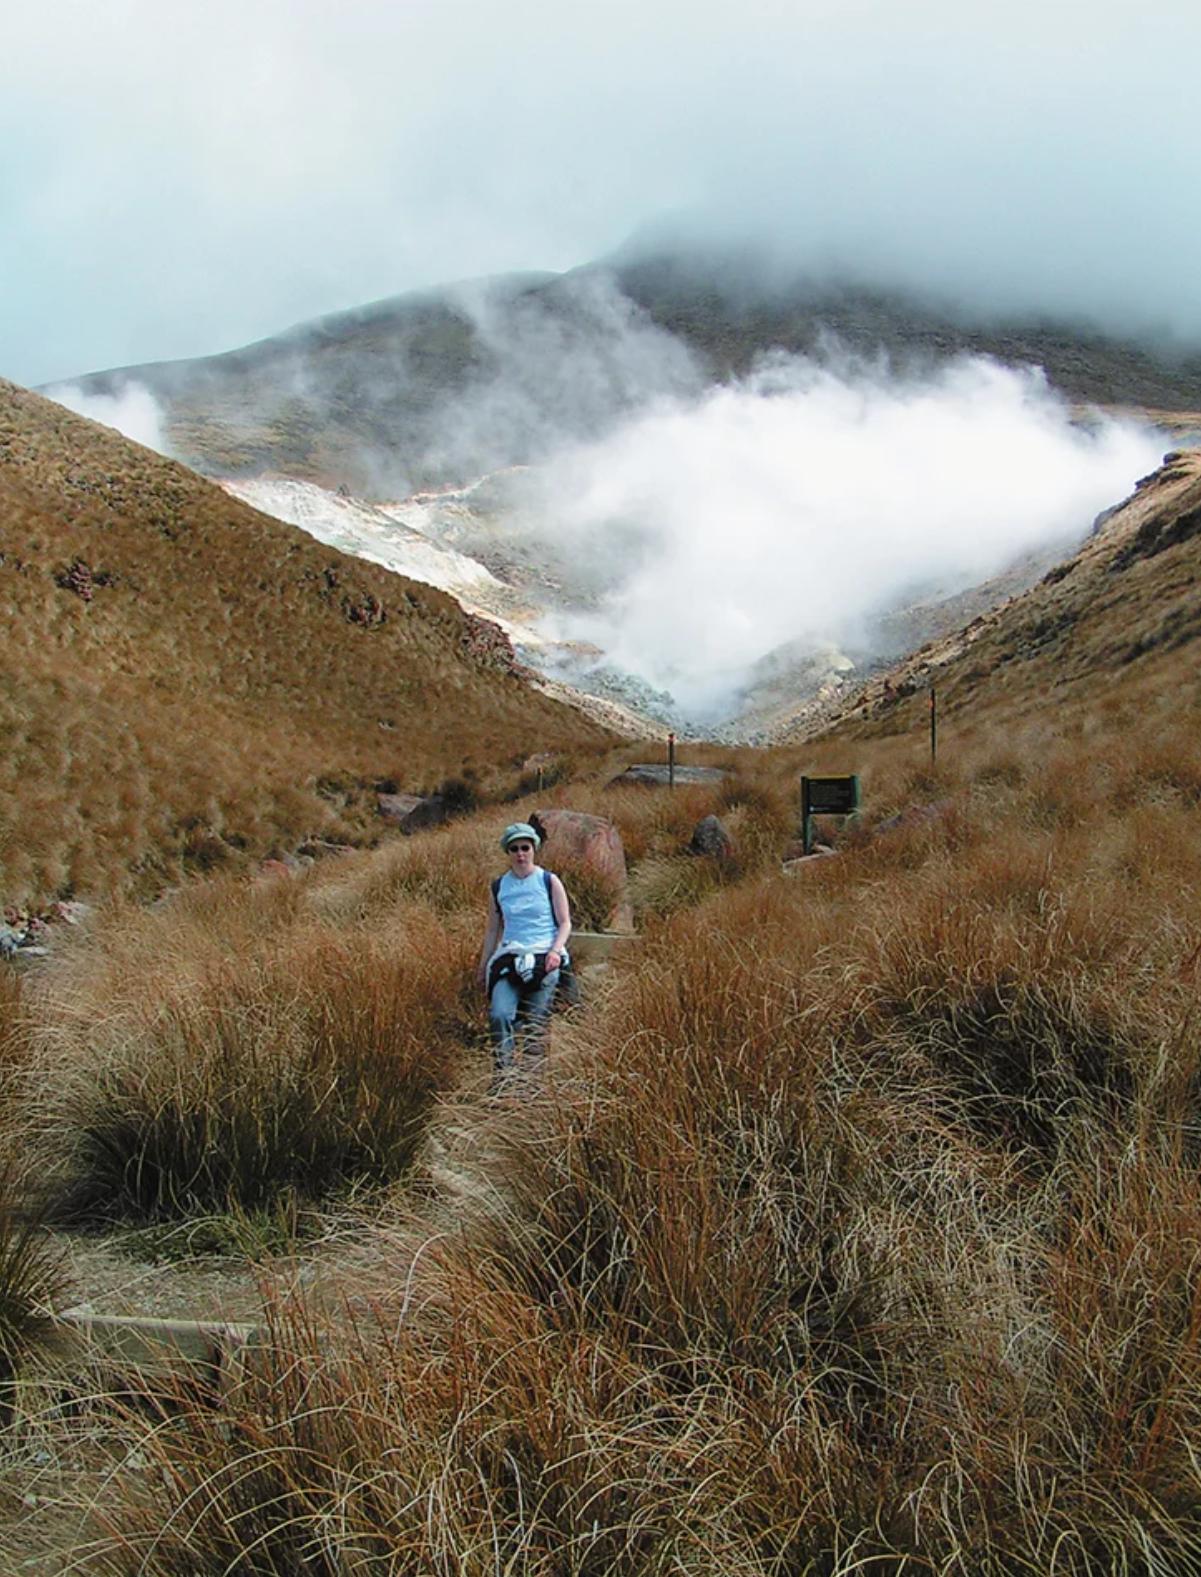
point(180, 179)
point(799, 505)
point(686, 472)
point(788, 312)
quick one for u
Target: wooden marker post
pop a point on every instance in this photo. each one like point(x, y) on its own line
point(671, 761)
point(826, 797)
point(933, 725)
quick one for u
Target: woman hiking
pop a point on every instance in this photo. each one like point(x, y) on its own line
point(525, 946)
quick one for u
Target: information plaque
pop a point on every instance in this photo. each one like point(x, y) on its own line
point(827, 797)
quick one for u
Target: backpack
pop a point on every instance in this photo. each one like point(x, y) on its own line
point(569, 985)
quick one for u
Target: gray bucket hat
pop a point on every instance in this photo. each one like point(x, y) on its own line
point(519, 830)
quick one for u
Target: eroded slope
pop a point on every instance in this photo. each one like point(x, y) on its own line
point(187, 680)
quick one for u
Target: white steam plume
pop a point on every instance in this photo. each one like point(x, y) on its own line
point(797, 504)
point(133, 411)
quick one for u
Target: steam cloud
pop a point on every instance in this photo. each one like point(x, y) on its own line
point(559, 372)
point(134, 412)
point(796, 505)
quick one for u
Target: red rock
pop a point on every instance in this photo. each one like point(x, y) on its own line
point(574, 836)
point(411, 812)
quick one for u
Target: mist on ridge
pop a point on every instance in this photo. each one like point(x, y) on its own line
point(801, 503)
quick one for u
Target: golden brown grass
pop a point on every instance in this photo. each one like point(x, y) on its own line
point(214, 699)
point(13, 1025)
point(248, 1044)
point(245, 1065)
point(856, 1225)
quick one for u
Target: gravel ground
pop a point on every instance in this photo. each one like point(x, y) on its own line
point(108, 1276)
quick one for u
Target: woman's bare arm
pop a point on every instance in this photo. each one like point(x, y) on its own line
point(561, 909)
point(491, 937)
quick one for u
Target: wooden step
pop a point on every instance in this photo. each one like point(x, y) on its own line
point(599, 947)
point(212, 1351)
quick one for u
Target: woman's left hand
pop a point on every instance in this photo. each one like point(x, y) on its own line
point(553, 960)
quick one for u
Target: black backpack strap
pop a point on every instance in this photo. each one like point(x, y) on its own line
point(568, 985)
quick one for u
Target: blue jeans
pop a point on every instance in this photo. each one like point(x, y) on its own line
point(507, 1006)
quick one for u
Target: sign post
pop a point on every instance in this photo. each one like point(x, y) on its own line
point(933, 725)
point(671, 761)
point(826, 797)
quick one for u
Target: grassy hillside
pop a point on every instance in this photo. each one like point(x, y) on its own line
point(426, 389)
point(853, 1223)
point(187, 682)
point(1106, 635)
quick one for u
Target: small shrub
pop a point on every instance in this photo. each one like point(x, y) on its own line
point(292, 1071)
point(592, 894)
point(459, 797)
point(33, 1280)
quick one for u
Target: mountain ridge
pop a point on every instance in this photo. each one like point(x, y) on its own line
point(1115, 617)
point(375, 397)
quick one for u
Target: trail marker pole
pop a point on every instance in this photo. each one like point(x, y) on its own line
point(933, 725)
point(671, 761)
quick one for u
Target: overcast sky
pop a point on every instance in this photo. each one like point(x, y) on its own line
point(179, 177)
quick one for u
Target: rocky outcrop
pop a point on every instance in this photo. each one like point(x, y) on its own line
point(82, 579)
point(412, 812)
point(365, 610)
point(592, 846)
point(26, 934)
point(654, 774)
point(711, 839)
point(486, 643)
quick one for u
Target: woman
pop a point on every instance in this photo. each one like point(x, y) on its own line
point(525, 944)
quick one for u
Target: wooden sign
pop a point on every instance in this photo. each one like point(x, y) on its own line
point(827, 797)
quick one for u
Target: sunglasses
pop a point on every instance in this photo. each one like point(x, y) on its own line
point(521, 848)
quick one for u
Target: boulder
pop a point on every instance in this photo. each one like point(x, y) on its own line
point(806, 862)
point(271, 869)
point(711, 839)
point(412, 812)
point(913, 816)
point(574, 837)
point(323, 849)
point(654, 774)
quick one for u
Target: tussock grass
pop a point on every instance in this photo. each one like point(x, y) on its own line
point(14, 1025)
point(856, 1223)
point(256, 1067)
point(33, 1278)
